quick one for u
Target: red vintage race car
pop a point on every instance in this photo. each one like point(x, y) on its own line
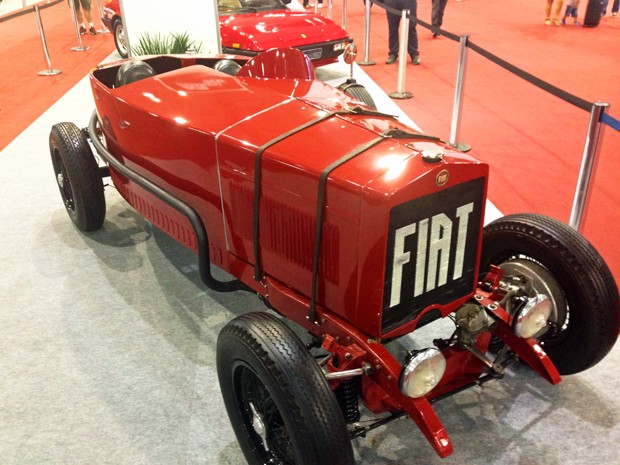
point(248, 27)
point(354, 226)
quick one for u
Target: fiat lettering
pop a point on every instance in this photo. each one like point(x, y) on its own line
point(432, 252)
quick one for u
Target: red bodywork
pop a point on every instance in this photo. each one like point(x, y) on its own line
point(254, 148)
point(262, 25)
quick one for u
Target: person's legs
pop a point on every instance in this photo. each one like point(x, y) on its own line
point(86, 6)
point(393, 23)
point(558, 11)
point(412, 42)
point(604, 7)
point(615, 7)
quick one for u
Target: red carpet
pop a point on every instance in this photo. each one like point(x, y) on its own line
point(533, 141)
point(24, 95)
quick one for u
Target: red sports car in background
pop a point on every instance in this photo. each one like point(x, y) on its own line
point(248, 27)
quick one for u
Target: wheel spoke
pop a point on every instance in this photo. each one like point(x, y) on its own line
point(265, 420)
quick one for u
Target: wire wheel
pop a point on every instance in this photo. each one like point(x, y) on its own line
point(268, 431)
point(558, 262)
point(78, 177)
point(280, 405)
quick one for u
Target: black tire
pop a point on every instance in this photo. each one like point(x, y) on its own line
point(118, 30)
point(268, 377)
point(78, 176)
point(589, 317)
point(358, 92)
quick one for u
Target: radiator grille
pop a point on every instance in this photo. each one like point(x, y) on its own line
point(432, 251)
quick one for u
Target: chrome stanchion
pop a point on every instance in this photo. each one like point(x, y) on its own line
point(79, 46)
point(401, 93)
point(588, 165)
point(457, 106)
point(329, 9)
point(344, 14)
point(103, 29)
point(49, 71)
point(367, 61)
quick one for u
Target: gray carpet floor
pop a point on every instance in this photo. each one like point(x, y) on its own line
point(107, 350)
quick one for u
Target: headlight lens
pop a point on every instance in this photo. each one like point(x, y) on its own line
point(531, 320)
point(422, 373)
point(340, 46)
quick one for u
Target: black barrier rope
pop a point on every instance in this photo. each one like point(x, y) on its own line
point(553, 90)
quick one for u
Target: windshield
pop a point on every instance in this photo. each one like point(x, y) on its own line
point(244, 6)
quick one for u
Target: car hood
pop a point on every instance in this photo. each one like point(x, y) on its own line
point(262, 31)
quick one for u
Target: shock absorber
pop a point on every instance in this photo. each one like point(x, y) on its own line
point(347, 395)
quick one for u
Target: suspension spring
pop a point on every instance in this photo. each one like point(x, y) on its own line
point(347, 395)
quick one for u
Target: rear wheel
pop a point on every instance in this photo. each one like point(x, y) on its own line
point(540, 255)
point(78, 176)
point(119, 38)
point(278, 400)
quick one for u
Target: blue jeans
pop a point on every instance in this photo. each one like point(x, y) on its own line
point(614, 8)
point(394, 22)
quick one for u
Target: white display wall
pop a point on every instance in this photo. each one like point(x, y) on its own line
point(197, 18)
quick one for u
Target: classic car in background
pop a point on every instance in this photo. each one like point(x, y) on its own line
point(248, 27)
point(341, 219)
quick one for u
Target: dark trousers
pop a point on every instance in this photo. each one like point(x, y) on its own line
point(394, 23)
point(439, 6)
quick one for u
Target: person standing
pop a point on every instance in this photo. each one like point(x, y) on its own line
point(86, 6)
point(614, 8)
point(556, 13)
point(439, 6)
point(571, 11)
point(393, 29)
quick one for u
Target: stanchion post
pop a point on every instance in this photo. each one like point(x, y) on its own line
point(367, 61)
point(329, 9)
point(103, 29)
point(588, 165)
point(401, 93)
point(79, 47)
point(344, 14)
point(49, 71)
point(457, 107)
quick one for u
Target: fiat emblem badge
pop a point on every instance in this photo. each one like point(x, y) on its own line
point(442, 177)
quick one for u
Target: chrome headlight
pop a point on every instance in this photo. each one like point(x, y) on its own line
point(422, 372)
point(531, 320)
point(340, 46)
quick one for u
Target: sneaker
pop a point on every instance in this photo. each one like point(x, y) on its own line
point(320, 5)
point(547, 22)
point(92, 31)
point(615, 13)
point(82, 30)
point(435, 35)
point(415, 58)
point(391, 59)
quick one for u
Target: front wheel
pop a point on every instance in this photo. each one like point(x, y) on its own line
point(278, 400)
point(540, 255)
